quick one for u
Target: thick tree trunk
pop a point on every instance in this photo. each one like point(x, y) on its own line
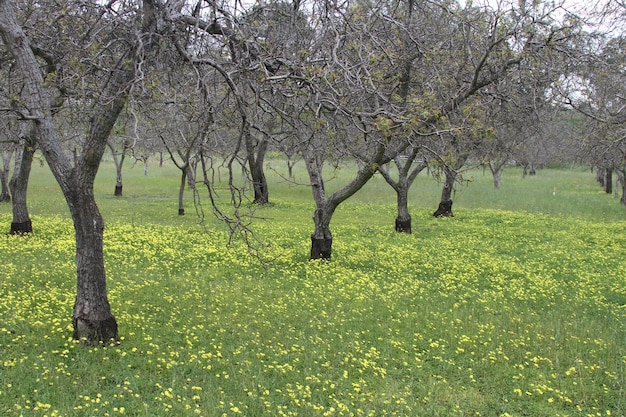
point(445, 205)
point(257, 171)
point(5, 195)
point(92, 319)
point(21, 223)
point(403, 221)
point(322, 238)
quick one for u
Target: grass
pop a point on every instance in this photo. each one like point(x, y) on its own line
point(515, 307)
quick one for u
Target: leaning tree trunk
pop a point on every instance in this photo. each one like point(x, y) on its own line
point(5, 195)
point(445, 206)
point(21, 223)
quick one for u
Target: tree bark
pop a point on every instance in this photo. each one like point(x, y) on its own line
point(608, 180)
point(322, 238)
point(445, 205)
point(255, 163)
point(119, 163)
point(92, 319)
point(621, 180)
point(497, 168)
point(21, 223)
point(403, 220)
point(5, 195)
point(181, 189)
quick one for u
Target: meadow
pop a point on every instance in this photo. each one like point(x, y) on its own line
point(514, 307)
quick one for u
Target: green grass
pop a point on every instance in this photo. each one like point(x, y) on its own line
point(514, 307)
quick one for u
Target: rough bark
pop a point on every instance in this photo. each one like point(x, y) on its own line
point(445, 205)
point(256, 150)
point(497, 168)
point(21, 223)
point(608, 180)
point(444, 209)
point(181, 190)
point(322, 238)
point(92, 318)
point(5, 195)
point(403, 220)
point(119, 163)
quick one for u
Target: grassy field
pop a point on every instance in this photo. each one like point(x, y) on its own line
point(514, 307)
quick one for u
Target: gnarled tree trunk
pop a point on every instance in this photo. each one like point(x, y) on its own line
point(93, 320)
point(403, 220)
point(445, 205)
point(256, 149)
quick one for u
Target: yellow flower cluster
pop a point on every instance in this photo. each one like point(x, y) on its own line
point(490, 314)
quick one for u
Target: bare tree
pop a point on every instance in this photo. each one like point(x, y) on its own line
point(92, 318)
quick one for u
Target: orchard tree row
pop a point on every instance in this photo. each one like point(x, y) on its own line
point(395, 85)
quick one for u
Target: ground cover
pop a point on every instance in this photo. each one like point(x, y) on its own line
point(494, 312)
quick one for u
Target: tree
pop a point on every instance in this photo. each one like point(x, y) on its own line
point(110, 76)
point(407, 173)
point(354, 94)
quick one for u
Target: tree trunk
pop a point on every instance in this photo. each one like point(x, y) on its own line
point(403, 221)
point(21, 223)
point(621, 180)
point(608, 180)
point(496, 170)
point(119, 163)
point(92, 319)
point(5, 195)
point(181, 190)
point(445, 206)
point(257, 172)
point(322, 238)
